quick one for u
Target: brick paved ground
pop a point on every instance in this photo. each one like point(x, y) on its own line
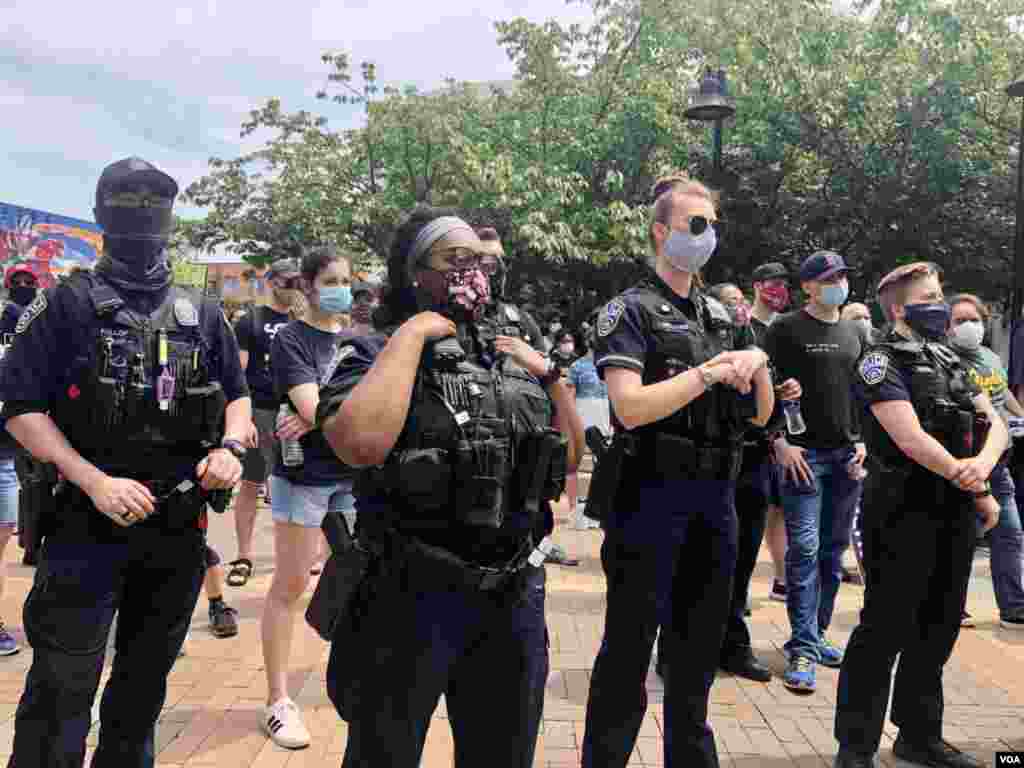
point(217, 691)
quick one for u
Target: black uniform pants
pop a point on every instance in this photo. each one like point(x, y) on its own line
point(668, 559)
point(752, 499)
point(151, 580)
point(918, 545)
point(412, 641)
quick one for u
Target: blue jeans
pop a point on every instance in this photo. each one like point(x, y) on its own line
point(1007, 539)
point(818, 522)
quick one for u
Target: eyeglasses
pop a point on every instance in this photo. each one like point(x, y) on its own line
point(462, 258)
point(488, 264)
point(288, 283)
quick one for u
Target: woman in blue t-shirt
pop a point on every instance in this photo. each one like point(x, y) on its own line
point(303, 355)
point(592, 406)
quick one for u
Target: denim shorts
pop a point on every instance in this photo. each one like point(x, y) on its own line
point(306, 505)
point(8, 494)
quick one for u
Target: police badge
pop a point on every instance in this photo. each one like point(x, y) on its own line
point(609, 319)
point(873, 368)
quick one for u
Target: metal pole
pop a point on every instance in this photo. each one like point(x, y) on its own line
point(1018, 298)
point(718, 146)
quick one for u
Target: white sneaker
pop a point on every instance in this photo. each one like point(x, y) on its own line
point(283, 724)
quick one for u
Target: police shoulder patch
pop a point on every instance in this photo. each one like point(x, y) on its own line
point(610, 316)
point(873, 367)
point(32, 311)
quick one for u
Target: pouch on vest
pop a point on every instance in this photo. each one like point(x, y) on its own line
point(481, 471)
point(423, 479)
point(203, 407)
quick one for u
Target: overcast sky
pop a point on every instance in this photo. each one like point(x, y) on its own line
point(85, 84)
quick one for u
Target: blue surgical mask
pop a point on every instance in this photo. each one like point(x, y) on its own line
point(336, 299)
point(689, 253)
point(835, 294)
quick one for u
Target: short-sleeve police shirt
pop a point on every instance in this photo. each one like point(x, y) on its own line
point(56, 327)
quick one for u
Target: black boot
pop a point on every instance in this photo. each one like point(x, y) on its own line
point(936, 754)
point(743, 663)
point(848, 759)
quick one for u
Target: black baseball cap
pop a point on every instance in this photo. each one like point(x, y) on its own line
point(821, 265)
point(771, 271)
point(134, 171)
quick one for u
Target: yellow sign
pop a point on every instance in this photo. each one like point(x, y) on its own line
point(187, 273)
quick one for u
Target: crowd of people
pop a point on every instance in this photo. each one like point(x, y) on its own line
point(431, 423)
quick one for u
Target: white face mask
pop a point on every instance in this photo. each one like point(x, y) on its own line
point(968, 335)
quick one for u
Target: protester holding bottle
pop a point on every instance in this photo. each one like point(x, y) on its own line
point(307, 480)
point(819, 491)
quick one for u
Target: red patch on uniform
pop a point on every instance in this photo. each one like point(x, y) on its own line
point(74, 392)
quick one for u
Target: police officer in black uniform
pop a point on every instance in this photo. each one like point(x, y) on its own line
point(140, 385)
point(454, 423)
point(924, 425)
point(682, 398)
point(505, 315)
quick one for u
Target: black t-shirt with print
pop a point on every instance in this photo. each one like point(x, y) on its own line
point(821, 356)
point(301, 354)
point(255, 332)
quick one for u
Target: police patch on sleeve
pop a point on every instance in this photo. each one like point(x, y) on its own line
point(610, 316)
point(873, 368)
point(32, 311)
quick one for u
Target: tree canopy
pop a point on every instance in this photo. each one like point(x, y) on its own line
point(882, 131)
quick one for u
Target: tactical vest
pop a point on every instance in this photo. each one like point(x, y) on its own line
point(110, 409)
point(465, 452)
point(677, 343)
point(502, 319)
point(940, 396)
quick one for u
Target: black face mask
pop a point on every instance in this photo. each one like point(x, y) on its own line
point(23, 295)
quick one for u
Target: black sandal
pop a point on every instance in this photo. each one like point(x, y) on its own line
point(240, 572)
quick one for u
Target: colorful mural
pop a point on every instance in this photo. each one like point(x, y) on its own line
point(50, 244)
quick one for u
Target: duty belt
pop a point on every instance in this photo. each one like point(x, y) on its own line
point(441, 565)
point(684, 457)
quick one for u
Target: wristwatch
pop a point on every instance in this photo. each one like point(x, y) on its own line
point(552, 374)
point(234, 446)
point(706, 377)
point(985, 491)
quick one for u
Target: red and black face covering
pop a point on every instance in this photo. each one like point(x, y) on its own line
point(463, 290)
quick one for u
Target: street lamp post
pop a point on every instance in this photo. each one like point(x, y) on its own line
point(710, 103)
point(1016, 91)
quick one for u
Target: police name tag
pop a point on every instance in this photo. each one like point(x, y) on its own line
point(873, 368)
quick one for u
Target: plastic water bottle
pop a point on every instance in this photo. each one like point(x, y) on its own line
point(291, 450)
point(794, 418)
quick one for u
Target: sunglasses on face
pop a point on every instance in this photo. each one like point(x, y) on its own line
point(696, 225)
